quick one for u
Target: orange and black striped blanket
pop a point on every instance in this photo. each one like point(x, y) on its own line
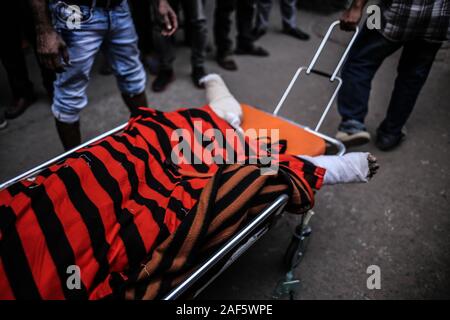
point(128, 219)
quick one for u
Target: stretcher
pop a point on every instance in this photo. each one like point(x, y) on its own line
point(302, 140)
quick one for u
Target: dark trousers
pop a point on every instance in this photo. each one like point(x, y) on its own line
point(198, 33)
point(288, 10)
point(368, 52)
point(222, 24)
point(17, 23)
point(140, 10)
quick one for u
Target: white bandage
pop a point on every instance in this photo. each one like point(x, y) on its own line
point(351, 167)
point(222, 101)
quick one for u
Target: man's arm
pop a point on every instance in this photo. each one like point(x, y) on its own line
point(50, 47)
point(351, 17)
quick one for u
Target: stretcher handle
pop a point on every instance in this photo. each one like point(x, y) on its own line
point(321, 73)
point(322, 45)
point(310, 69)
point(329, 104)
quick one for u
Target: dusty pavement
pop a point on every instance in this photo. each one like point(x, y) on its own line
point(400, 221)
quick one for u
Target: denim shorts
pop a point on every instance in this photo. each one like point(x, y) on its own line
point(85, 33)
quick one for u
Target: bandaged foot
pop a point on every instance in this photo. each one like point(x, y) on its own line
point(349, 168)
point(222, 101)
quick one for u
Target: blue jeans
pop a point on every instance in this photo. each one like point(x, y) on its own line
point(365, 57)
point(114, 32)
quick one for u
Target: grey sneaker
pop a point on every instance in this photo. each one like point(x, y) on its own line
point(352, 133)
point(3, 123)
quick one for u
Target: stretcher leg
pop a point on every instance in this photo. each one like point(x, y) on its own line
point(293, 256)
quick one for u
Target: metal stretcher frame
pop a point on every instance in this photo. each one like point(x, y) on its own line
point(256, 228)
point(246, 237)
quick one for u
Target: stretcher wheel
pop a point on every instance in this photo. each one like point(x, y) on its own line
point(297, 247)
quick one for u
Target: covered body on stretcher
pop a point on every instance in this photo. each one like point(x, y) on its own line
point(134, 221)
